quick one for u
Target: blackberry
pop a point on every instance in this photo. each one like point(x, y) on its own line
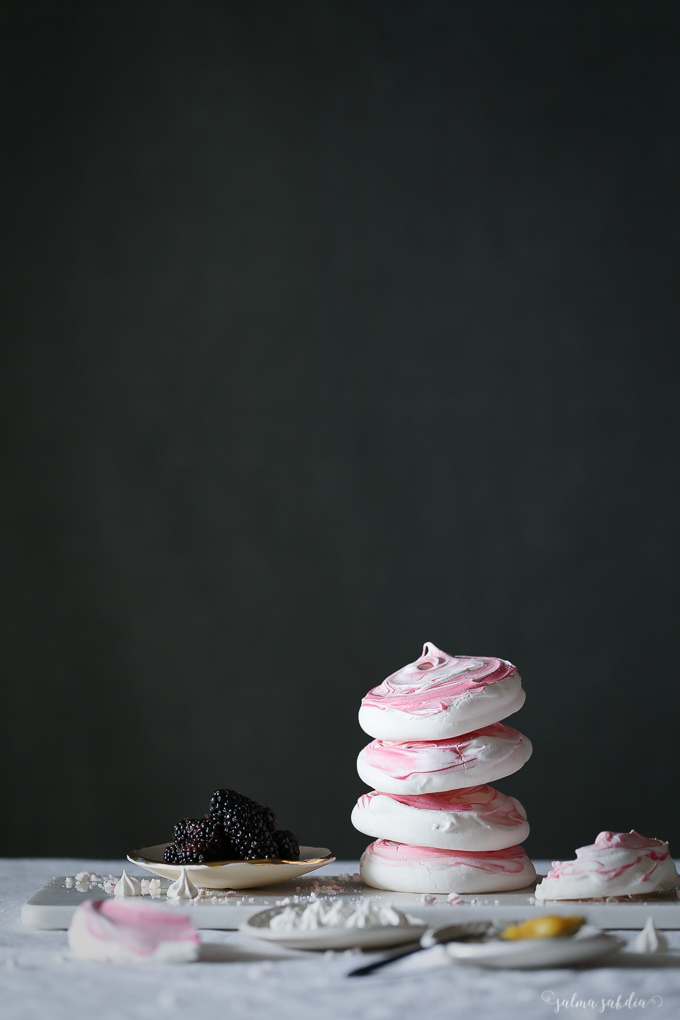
point(197, 841)
point(187, 853)
point(253, 844)
point(179, 832)
point(235, 810)
point(248, 826)
point(288, 846)
point(190, 829)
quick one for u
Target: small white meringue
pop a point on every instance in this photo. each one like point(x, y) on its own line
point(127, 886)
point(182, 888)
point(649, 940)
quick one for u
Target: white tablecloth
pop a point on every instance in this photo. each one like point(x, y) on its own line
point(38, 979)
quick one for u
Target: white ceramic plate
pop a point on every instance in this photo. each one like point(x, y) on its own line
point(257, 927)
point(233, 874)
point(588, 944)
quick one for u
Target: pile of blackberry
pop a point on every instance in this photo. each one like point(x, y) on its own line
point(235, 828)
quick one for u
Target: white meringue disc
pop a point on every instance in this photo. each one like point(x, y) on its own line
point(431, 766)
point(441, 695)
point(420, 869)
point(616, 864)
point(129, 931)
point(479, 818)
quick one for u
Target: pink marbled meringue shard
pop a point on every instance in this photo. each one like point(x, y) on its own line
point(440, 696)
point(616, 864)
point(475, 819)
point(389, 865)
point(432, 766)
point(132, 933)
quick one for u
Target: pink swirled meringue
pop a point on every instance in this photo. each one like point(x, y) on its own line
point(440, 696)
point(479, 818)
point(396, 866)
point(616, 864)
point(431, 766)
point(115, 931)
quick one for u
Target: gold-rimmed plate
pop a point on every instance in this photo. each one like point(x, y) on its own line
point(232, 874)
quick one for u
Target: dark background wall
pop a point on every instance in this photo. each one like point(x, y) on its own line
point(330, 328)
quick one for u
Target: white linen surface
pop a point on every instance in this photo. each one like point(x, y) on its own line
point(237, 977)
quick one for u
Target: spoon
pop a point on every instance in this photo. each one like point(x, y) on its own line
point(432, 937)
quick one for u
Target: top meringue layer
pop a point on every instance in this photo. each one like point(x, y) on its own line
point(441, 695)
point(616, 864)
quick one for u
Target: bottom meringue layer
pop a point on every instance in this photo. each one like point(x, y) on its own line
point(131, 933)
point(421, 869)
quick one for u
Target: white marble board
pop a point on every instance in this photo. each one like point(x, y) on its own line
point(53, 905)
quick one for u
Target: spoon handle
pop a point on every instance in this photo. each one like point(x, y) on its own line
point(368, 968)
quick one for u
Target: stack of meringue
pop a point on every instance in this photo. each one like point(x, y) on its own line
point(438, 742)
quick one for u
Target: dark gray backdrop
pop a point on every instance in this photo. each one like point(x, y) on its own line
point(331, 328)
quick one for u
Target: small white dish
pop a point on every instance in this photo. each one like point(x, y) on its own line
point(376, 937)
point(588, 944)
point(232, 874)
